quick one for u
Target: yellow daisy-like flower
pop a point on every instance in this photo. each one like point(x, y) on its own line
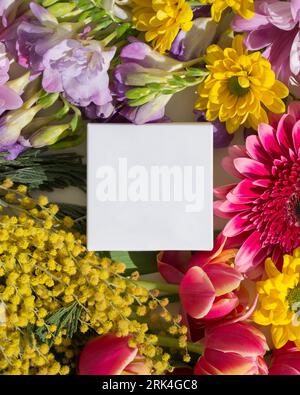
point(239, 87)
point(244, 8)
point(161, 20)
point(279, 300)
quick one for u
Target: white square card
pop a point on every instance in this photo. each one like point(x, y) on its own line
point(150, 187)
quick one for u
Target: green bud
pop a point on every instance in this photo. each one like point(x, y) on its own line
point(48, 135)
point(61, 9)
point(48, 99)
point(142, 79)
point(137, 93)
point(194, 72)
point(19, 84)
point(143, 100)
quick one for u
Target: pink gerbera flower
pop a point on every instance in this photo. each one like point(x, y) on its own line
point(264, 206)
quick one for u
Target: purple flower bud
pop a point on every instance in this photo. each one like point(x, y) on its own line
point(221, 137)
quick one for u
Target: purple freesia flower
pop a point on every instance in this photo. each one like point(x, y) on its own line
point(221, 137)
point(276, 28)
point(94, 112)
point(141, 65)
point(80, 70)
point(186, 47)
point(35, 36)
point(4, 65)
point(9, 99)
point(11, 125)
point(6, 7)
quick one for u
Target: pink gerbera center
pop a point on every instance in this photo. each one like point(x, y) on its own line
point(276, 213)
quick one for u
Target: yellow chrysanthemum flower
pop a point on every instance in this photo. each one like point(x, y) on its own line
point(279, 300)
point(161, 20)
point(239, 87)
point(244, 8)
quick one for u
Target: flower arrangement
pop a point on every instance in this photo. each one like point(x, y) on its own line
point(64, 310)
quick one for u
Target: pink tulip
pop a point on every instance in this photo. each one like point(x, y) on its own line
point(233, 349)
point(286, 361)
point(206, 279)
point(207, 292)
point(110, 355)
point(172, 265)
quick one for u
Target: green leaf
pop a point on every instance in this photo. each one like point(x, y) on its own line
point(144, 262)
point(48, 3)
point(64, 318)
point(39, 170)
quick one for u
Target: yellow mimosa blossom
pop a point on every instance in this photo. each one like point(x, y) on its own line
point(51, 287)
point(279, 300)
point(244, 8)
point(161, 20)
point(240, 87)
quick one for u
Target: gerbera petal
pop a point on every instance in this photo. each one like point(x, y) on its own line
point(268, 140)
point(284, 132)
point(296, 136)
point(228, 166)
point(247, 188)
point(238, 224)
point(251, 168)
point(255, 149)
point(221, 192)
point(244, 259)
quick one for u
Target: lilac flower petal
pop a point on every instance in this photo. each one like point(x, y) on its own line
point(145, 56)
point(9, 99)
point(280, 15)
point(4, 65)
point(274, 28)
point(295, 9)
point(14, 151)
point(80, 71)
point(94, 112)
point(261, 37)
point(44, 16)
point(295, 55)
point(149, 112)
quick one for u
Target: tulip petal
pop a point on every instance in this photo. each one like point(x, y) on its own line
point(223, 277)
point(229, 363)
point(239, 338)
point(203, 257)
point(197, 293)
point(172, 265)
point(204, 368)
point(106, 355)
point(223, 306)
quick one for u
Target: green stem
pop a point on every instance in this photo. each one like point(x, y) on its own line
point(170, 288)
point(192, 62)
point(109, 38)
point(166, 341)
